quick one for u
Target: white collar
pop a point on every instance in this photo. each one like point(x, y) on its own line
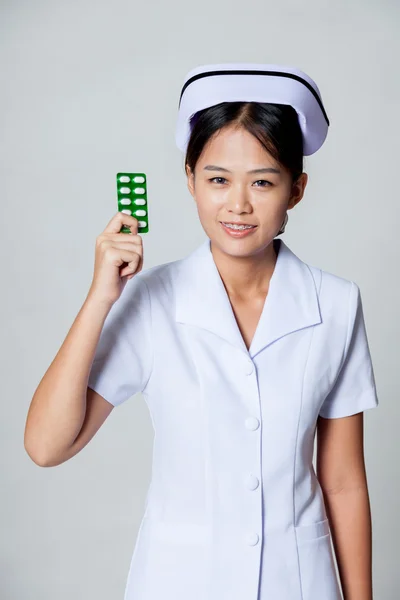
point(202, 301)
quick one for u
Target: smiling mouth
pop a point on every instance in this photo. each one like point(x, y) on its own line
point(238, 226)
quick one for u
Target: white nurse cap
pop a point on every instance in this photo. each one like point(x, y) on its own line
point(209, 85)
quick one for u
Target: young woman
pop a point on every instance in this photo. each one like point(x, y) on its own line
point(243, 352)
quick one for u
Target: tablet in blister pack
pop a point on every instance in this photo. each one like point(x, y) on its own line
point(132, 199)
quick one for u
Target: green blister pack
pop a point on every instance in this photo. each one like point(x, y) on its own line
point(132, 199)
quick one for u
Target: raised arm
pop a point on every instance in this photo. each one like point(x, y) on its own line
point(64, 413)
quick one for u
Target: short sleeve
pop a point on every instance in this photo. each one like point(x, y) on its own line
point(354, 390)
point(123, 359)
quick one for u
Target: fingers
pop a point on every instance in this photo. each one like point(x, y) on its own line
point(118, 256)
point(136, 248)
point(118, 238)
point(119, 220)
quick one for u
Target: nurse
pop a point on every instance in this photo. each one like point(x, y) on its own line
point(243, 352)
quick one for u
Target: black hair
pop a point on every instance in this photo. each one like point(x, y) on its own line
point(276, 127)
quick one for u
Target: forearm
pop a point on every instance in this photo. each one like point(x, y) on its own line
point(58, 407)
point(350, 519)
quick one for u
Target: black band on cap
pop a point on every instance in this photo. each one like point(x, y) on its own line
point(257, 72)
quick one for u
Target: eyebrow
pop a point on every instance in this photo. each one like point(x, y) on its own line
point(263, 170)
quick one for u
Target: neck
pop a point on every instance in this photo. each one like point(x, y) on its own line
point(247, 276)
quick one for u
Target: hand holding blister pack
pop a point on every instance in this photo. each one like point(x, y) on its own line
point(119, 258)
point(132, 199)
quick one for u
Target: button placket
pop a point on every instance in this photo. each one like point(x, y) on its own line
point(252, 423)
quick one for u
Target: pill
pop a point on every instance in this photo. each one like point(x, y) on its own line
point(124, 179)
point(127, 211)
point(125, 190)
point(138, 179)
point(140, 213)
point(139, 201)
point(138, 190)
point(125, 201)
point(142, 224)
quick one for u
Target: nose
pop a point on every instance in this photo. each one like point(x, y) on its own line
point(238, 202)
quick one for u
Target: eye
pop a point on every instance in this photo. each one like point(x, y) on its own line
point(217, 178)
point(263, 181)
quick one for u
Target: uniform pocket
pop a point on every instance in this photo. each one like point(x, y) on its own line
point(317, 567)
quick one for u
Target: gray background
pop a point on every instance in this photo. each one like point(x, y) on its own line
point(90, 88)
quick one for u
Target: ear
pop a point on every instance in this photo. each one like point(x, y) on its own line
point(190, 180)
point(298, 189)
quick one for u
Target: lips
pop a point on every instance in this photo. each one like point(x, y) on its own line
point(237, 223)
point(235, 231)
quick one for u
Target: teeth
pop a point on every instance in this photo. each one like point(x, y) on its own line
point(239, 227)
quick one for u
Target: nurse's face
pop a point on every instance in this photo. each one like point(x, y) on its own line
point(227, 192)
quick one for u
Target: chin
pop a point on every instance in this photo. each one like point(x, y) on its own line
point(241, 248)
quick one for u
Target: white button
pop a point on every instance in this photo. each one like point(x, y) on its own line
point(125, 201)
point(140, 213)
point(127, 211)
point(138, 179)
point(252, 539)
point(139, 201)
point(252, 482)
point(125, 190)
point(124, 179)
point(250, 367)
point(139, 190)
point(252, 423)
